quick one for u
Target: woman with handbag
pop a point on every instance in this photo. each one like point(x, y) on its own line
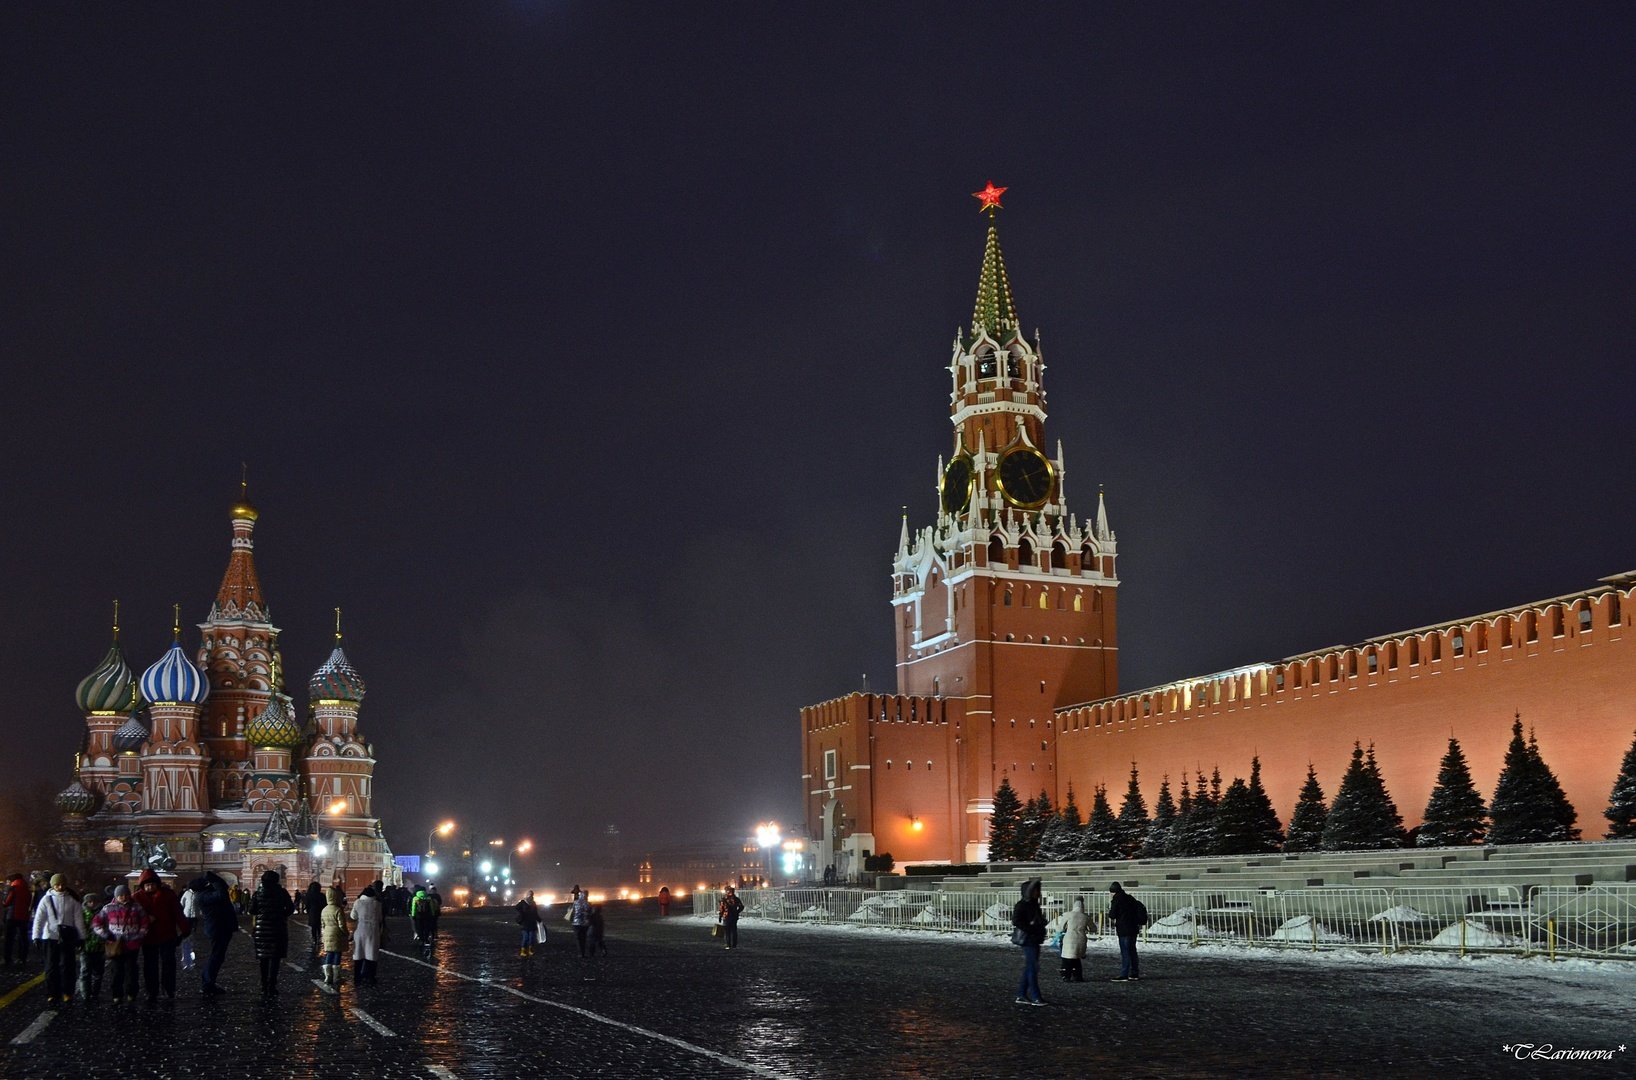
point(56, 928)
point(121, 925)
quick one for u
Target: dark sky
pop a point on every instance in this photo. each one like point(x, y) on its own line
point(584, 353)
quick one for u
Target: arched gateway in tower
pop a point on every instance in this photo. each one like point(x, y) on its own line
point(1005, 609)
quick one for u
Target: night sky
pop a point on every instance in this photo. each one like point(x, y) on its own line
point(584, 353)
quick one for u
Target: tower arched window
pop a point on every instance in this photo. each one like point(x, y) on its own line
point(1059, 556)
point(1079, 602)
point(987, 365)
point(996, 551)
point(1008, 598)
point(1025, 553)
point(1045, 599)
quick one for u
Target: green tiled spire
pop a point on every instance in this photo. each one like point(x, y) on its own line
point(995, 312)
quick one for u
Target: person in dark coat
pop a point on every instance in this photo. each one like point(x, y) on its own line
point(167, 926)
point(220, 921)
point(270, 910)
point(1128, 916)
point(313, 903)
point(1029, 919)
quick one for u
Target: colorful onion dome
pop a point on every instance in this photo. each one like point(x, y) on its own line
point(75, 800)
point(174, 678)
point(130, 736)
point(108, 688)
point(337, 680)
point(274, 726)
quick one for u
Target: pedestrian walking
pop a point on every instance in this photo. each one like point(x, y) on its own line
point(366, 936)
point(727, 913)
point(313, 903)
point(664, 900)
point(120, 925)
point(528, 917)
point(423, 911)
point(167, 926)
point(579, 915)
point(15, 900)
point(1074, 930)
point(57, 928)
point(270, 911)
point(1028, 930)
point(220, 921)
point(1128, 915)
point(332, 932)
point(93, 959)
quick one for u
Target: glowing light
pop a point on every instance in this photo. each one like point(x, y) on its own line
point(917, 825)
point(320, 850)
point(767, 834)
point(525, 847)
point(431, 868)
point(989, 197)
point(339, 806)
point(218, 844)
point(444, 829)
point(486, 867)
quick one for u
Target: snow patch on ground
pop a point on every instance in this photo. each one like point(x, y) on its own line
point(1183, 923)
point(1304, 928)
point(1402, 913)
point(1477, 936)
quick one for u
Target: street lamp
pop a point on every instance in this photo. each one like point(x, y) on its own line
point(522, 849)
point(442, 830)
point(768, 837)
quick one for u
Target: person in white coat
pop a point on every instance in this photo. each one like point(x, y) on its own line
point(1074, 928)
point(366, 936)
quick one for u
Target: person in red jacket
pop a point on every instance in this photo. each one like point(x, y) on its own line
point(18, 916)
point(167, 926)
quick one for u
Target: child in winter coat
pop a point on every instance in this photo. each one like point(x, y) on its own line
point(332, 934)
point(94, 958)
point(122, 925)
point(1074, 929)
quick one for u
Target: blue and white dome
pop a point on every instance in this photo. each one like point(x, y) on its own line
point(174, 678)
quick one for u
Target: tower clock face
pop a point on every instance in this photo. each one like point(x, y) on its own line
point(957, 481)
point(1025, 477)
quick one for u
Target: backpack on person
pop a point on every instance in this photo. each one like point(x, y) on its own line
point(1140, 911)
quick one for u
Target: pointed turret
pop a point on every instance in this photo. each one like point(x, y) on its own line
point(1102, 532)
point(240, 593)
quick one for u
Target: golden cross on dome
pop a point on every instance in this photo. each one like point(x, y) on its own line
point(989, 197)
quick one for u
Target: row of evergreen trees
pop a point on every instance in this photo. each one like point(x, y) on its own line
point(1529, 806)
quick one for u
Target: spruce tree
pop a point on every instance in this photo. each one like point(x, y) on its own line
point(1235, 820)
point(1201, 823)
point(1164, 823)
point(1621, 811)
point(1060, 841)
point(1529, 806)
point(1306, 823)
point(1002, 823)
point(1363, 816)
point(1181, 830)
point(1036, 815)
point(1455, 813)
point(1100, 838)
point(1133, 819)
point(1269, 831)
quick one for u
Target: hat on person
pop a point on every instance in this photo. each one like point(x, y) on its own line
point(269, 878)
point(1115, 887)
point(58, 881)
point(122, 892)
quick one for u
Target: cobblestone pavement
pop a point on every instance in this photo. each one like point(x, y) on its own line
point(669, 1002)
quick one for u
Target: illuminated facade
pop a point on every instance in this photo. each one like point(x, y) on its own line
point(1005, 616)
point(222, 774)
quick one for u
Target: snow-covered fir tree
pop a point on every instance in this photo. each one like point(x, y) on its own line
point(1133, 819)
point(1036, 815)
point(1060, 841)
point(1269, 831)
point(1002, 823)
point(1235, 820)
point(1621, 811)
point(1181, 832)
point(1099, 840)
point(1455, 813)
point(1306, 823)
point(1164, 823)
point(1199, 831)
point(1529, 805)
point(1363, 816)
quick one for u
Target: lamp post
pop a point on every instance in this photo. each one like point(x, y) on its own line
point(768, 837)
point(521, 849)
point(441, 830)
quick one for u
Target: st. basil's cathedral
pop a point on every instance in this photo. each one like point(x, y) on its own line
point(201, 764)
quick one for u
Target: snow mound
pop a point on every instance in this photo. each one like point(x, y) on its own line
point(1477, 936)
point(1402, 913)
point(813, 912)
point(1182, 923)
point(995, 916)
point(1305, 928)
point(868, 913)
point(929, 916)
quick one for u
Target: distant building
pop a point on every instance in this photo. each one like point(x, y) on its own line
point(202, 761)
point(1005, 612)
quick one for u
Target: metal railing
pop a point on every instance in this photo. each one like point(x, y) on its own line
point(1551, 921)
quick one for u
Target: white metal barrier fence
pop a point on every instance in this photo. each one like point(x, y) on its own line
point(1555, 921)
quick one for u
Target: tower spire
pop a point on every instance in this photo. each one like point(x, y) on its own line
point(239, 596)
point(337, 628)
point(995, 310)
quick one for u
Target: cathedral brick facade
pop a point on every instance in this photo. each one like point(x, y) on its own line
point(1005, 617)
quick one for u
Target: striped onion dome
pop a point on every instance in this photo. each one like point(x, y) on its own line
point(75, 800)
point(174, 678)
point(108, 688)
point(274, 726)
point(130, 736)
point(336, 680)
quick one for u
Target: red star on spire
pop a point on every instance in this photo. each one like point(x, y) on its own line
point(989, 197)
